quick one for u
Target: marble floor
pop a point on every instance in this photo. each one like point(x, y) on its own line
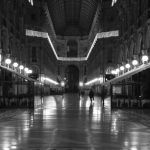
point(72, 123)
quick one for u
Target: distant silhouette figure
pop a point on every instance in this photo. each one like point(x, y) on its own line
point(91, 95)
point(103, 97)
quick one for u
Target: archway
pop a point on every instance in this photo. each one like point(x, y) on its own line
point(34, 73)
point(108, 73)
point(72, 78)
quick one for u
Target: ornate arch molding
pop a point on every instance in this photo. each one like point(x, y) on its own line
point(109, 68)
point(73, 64)
point(36, 67)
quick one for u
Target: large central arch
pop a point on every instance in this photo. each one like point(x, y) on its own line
point(72, 78)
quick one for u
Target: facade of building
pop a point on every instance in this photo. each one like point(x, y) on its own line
point(131, 86)
point(61, 49)
point(17, 89)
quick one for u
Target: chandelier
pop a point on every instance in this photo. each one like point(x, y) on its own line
point(113, 2)
point(31, 1)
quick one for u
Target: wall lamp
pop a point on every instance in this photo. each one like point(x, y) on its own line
point(134, 62)
point(113, 72)
point(29, 71)
point(8, 61)
point(21, 67)
point(15, 64)
point(117, 71)
point(80, 83)
point(122, 68)
point(26, 69)
point(62, 83)
point(144, 59)
point(127, 66)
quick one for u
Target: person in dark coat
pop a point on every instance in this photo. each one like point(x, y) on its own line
point(91, 95)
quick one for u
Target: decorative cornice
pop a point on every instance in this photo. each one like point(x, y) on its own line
point(98, 36)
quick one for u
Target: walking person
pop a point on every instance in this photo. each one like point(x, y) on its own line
point(91, 95)
point(103, 96)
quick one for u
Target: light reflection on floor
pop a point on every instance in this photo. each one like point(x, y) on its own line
point(70, 122)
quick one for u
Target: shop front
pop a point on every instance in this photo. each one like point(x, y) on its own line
point(17, 90)
point(132, 89)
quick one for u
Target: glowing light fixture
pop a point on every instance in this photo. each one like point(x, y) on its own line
point(31, 2)
point(52, 81)
point(26, 69)
point(113, 2)
point(46, 35)
point(62, 83)
point(8, 61)
point(122, 68)
point(15, 64)
point(144, 58)
point(117, 70)
point(21, 67)
point(43, 78)
point(81, 83)
point(29, 71)
point(127, 66)
point(113, 72)
point(92, 81)
point(134, 62)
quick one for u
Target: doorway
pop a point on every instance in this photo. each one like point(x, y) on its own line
point(72, 78)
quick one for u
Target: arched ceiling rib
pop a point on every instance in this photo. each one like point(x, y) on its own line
point(72, 13)
point(57, 12)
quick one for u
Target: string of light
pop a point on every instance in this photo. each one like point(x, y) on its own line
point(113, 2)
point(98, 36)
point(31, 2)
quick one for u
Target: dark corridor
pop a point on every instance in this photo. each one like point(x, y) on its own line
point(72, 78)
